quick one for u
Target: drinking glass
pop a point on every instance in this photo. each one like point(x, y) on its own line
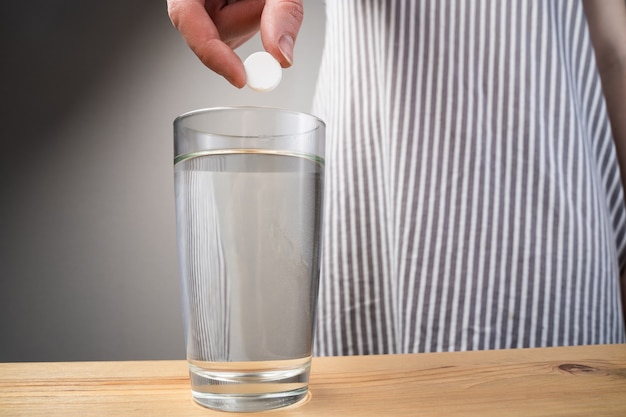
point(249, 186)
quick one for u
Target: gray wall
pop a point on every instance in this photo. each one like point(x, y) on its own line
point(87, 240)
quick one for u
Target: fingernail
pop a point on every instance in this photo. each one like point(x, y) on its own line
point(285, 44)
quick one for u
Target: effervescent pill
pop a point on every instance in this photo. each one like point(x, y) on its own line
point(263, 72)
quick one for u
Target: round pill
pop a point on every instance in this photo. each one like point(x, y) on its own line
point(263, 72)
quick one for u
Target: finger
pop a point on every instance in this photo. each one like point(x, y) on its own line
point(195, 25)
point(280, 24)
point(237, 21)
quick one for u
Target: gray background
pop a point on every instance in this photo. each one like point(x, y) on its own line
point(87, 246)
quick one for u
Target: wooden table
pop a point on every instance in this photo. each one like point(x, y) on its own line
point(572, 381)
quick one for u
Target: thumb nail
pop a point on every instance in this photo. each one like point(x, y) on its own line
point(285, 44)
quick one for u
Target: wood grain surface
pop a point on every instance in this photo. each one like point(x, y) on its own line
point(569, 381)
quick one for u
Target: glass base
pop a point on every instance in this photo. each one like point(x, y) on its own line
point(249, 386)
point(249, 402)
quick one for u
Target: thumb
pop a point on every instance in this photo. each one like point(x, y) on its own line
point(280, 24)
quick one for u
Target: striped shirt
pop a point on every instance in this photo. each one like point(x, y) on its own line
point(473, 198)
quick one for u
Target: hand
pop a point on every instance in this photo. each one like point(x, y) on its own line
point(214, 28)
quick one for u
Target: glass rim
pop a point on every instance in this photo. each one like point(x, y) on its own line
point(318, 123)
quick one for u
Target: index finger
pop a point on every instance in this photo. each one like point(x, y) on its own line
point(195, 25)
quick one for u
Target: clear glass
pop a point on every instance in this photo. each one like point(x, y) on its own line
point(249, 188)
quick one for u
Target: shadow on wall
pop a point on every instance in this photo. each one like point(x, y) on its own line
point(74, 248)
point(53, 51)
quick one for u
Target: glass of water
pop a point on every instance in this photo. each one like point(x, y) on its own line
point(249, 187)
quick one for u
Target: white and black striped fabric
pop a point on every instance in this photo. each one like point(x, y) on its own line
point(473, 198)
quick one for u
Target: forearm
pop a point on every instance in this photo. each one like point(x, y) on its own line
point(614, 86)
point(607, 28)
point(613, 77)
point(624, 294)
